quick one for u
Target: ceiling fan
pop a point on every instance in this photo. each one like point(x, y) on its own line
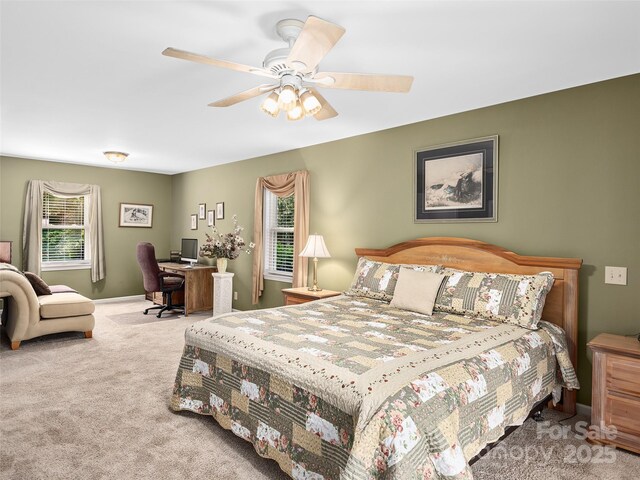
point(294, 73)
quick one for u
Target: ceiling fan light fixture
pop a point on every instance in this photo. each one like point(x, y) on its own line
point(270, 105)
point(288, 97)
point(296, 113)
point(116, 157)
point(310, 103)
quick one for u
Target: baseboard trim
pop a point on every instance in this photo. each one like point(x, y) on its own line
point(119, 299)
point(584, 410)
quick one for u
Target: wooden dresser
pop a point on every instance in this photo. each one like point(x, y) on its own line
point(294, 296)
point(616, 389)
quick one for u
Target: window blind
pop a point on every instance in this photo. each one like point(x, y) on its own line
point(63, 228)
point(278, 234)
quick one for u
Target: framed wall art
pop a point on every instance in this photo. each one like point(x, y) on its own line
point(457, 182)
point(136, 215)
point(194, 221)
point(210, 218)
point(220, 211)
point(5, 251)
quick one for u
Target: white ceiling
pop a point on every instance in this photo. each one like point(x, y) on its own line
point(81, 77)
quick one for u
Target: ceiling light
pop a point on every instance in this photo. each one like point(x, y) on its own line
point(270, 105)
point(310, 103)
point(287, 97)
point(116, 157)
point(296, 113)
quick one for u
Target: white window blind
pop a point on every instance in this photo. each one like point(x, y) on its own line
point(278, 237)
point(64, 238)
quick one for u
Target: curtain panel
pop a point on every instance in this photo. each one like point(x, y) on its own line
point(32, 231)
point(282, 186)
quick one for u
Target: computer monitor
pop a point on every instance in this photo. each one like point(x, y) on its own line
point(189, 250)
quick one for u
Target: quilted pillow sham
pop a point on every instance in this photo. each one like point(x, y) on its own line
point(377, 280)
point(517, 299)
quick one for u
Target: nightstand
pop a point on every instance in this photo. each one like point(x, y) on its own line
point(295, 296)
point(616, 389)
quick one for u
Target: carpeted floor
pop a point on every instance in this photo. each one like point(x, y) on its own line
point(98, 409)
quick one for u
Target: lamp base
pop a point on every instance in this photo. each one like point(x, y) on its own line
point(315, 288)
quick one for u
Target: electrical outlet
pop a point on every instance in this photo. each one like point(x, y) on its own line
point(235, 295)
point(615, 275)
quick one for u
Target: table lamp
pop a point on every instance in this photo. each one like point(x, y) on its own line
point(315, 248)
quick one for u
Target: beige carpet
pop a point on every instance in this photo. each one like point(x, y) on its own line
point(98, 409)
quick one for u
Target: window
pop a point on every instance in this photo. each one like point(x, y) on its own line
point(278, 237)
point(65, 243)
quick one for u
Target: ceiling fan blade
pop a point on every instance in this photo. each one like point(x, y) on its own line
point(194, 57)
point(327, 111)
point(316, 39)
point(364, 81)
point(242, 96)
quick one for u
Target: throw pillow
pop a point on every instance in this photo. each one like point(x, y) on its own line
point(39, 285)
point(416, 290)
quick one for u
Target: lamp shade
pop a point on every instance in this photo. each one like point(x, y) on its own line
point(315, 248)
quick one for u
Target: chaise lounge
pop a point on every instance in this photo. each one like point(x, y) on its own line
point(30, 315)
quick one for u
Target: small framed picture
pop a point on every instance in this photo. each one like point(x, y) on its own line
point(210, 218)
point(220, 211)
point(136, 215)
point(202, 211)
point(194, 221)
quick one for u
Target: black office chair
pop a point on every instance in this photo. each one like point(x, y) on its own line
point(155, 280)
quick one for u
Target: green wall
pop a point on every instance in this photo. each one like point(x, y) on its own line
point(123, 275)
point(569, 186)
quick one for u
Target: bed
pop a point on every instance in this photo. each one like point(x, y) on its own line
point(354, 387)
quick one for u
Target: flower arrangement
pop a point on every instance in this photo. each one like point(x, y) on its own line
point(226, 245)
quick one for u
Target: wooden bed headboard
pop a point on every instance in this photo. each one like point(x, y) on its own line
point(561, 306)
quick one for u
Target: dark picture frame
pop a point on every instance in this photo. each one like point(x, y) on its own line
point(220, 211)
point(194, 221)
point(211, 218)
point(202, 211)
point(136, 215)
point(457, 182)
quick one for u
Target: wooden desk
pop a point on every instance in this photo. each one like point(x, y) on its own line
point(198, 286)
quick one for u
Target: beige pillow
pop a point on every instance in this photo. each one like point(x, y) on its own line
point(416, 290)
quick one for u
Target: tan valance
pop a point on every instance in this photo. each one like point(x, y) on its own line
point(282, 186)
point(32, 231)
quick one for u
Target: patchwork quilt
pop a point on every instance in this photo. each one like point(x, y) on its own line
point(352, 388)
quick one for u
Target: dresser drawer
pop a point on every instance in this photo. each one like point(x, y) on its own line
point(295, 300)
point(623, 413)
point(623, 375)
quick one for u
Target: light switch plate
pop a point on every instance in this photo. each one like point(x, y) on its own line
point(615, 275)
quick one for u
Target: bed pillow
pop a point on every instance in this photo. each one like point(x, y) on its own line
point(377, 280)
point(517, 299)
point(416, 290)
point(39, 285)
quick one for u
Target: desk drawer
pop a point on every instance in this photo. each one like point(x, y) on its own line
point(171, 270)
